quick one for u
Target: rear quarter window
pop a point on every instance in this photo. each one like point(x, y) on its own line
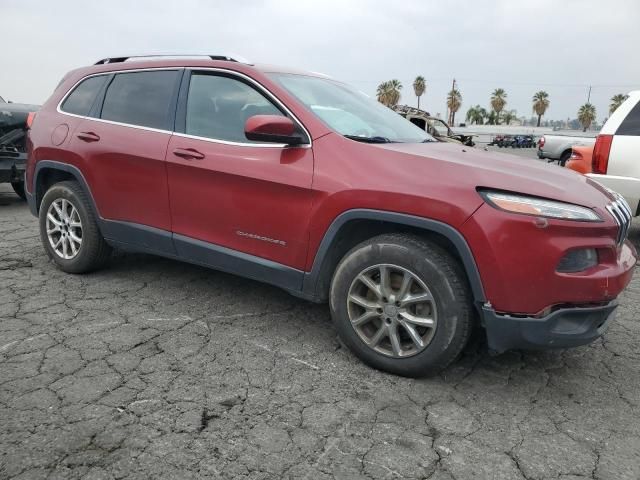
point(80, 100)
point(631, 124)
point(141, 98)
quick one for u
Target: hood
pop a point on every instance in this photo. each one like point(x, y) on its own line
point(481, 169)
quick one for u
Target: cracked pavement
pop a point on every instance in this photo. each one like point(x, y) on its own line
point(157, 369)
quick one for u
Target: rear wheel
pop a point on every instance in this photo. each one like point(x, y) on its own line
point(564, 158)
point(69, 230)
point(18, 187)
point(402, 304)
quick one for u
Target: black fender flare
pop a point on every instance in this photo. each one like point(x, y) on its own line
point(34, 200)
point(311, 280)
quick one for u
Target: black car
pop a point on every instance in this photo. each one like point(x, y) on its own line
point(13, 151)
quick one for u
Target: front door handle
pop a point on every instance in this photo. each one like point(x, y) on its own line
point(88, 136)
point(188, 153)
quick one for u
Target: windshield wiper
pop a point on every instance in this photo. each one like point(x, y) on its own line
point(369, 139)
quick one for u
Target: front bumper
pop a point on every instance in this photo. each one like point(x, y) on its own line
point(12, 168)
point(566, 327)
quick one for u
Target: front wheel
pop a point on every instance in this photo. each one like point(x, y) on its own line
point(402, 304)
point(69, 229)
point(18, 187)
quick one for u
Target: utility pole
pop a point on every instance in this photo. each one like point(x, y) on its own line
point(589, 95)
point(453, 87)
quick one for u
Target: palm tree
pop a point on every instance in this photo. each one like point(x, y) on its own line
point(395, 87)
point(476, 115)
point(586, 115)
point(498, 101)
point(454, 101)
point(509, 116)
point(383, 93)
point(540, 103)
point(616, 101)
point(419, 86)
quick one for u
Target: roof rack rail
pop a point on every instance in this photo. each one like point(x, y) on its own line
point(104, 61)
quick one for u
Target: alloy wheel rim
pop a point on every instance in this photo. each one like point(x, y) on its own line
point(64, 228)
point(392, 310)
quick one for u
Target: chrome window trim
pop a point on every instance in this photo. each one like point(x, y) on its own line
point(261, 88)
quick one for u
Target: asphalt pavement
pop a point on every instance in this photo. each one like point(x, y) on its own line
point(157, 369)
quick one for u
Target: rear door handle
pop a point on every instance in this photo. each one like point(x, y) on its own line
point(188, 153)
point(88, 136)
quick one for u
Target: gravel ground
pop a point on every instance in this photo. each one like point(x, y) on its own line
point(157, 369)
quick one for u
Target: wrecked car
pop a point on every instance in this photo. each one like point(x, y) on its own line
point(13, 152)
point(435, 126)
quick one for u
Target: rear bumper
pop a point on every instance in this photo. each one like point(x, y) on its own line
point(12, 168)
point(566, 327)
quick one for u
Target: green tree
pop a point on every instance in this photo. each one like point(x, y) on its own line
point(586, 115)
point(454, 102)
point(509, 116)
point(616, 101)
point(419, 86)
point(492, 118)
point(540, 104)
point(476, 115)
point(498, 102)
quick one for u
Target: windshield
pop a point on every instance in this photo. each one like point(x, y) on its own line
point(350, 112)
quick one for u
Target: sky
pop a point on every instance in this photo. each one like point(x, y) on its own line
point(560, 46)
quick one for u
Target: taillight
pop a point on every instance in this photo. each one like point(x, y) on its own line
point(30, 118)
point(601, 152)
point(541, 142)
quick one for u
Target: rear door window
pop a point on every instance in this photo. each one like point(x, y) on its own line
point(81, 99)
point(631, 124)
point(141, 98)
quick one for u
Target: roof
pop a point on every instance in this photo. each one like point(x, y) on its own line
point(194, 60)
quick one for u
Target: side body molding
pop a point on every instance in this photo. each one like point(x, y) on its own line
point(311, 280)
point(142, 238)
point(135, 237)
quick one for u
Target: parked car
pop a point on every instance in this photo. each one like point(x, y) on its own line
point(615, 155)
point(436, 127)
point(302, 182)
point(580, 159)
point(558, 147)
point(523, 141)
point(13, 155)
point(513, 141)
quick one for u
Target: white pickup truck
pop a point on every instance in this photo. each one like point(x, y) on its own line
point(558, 147)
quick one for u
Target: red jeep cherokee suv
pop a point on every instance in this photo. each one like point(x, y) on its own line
point(300, 181)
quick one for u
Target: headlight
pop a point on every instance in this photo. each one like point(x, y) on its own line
point(523, 204)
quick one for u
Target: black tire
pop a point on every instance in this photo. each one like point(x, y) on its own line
point(446, 281)
point(18, 187)
point(564, 158)
point(94, 252)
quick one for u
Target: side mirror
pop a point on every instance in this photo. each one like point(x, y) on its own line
point(272, 129)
